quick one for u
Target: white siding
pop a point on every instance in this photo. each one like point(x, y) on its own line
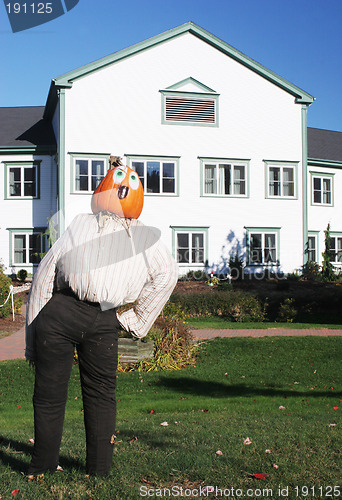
point(118, 110)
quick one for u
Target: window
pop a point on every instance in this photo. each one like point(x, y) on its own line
point(157, 175)
point(22, 180)
point(224, 178)
point(190, 245)
point(322, 189)
point(281, 180)
point(27, 246)
point(336, 249)
point(263, 246)
point(88, 173)
point(312, 248)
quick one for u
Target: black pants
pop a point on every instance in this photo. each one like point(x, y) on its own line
point(66, 322)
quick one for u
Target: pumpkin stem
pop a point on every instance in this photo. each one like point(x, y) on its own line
point(115, 161)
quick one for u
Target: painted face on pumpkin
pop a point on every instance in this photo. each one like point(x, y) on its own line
point(120, 192)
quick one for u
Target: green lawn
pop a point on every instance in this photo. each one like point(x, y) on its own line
point(222, 323)
point(284, 394)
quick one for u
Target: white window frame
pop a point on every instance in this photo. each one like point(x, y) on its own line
point(219, 181)
point(162, 160)
point(313, 237)
point(263, 232)
point(89, 159)
point(191, 232)
point(281, 167)
point(26, 233)
point(322, 177)
point(22, 166)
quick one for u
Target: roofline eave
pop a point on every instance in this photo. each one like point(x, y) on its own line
point(300, 95)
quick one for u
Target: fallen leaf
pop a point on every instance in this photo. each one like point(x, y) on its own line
point(247, 441)
point(281, 407)
point(112, 439)
point(31, 441)
point(275, 466)
point(219, 452)
point(332, 425)
point(59, 468)
point(151, 412)
point(267, 451)
point(176, 423)
point(15, 492)
point(260, 476)
point(164, 424)
point(226, 373)
point(336, 407)
point(133, 439)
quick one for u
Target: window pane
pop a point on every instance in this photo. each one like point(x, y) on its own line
point(288, 181)
point(270, 248)
point(224, 179)
point(210, 179)
point(138, 166)
point(317, 190)
point(326, 191)
point(339, 250)
point(20, 249)
point(97, 171)
point(15, 182)
point(29, 181)
point(274, 181)
point(81, 175)
point(239, 180)
point(255, 248)
point(312, 248)
point(34, 248)
point(197, 248)
point(153, 177)
point(168, 185)
point(169, 170)
point(183, 254)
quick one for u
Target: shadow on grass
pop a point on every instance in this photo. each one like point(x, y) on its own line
point(12, 451)
point(217, 390)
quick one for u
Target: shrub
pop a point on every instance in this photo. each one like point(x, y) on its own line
point(173, 344)
point(236, 306)
point(311, 270)
point(22, 275)
point(287, 311)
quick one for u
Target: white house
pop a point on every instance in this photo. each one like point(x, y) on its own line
point(220, 144)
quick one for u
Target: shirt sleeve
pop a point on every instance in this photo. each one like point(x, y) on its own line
point(41, 292)
point(163, 275)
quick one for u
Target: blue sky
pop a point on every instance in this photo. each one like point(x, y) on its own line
point(301, 40)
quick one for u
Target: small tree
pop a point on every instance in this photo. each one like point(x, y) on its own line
point(328, 272)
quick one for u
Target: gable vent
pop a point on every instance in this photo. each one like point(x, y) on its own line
point(182, 109)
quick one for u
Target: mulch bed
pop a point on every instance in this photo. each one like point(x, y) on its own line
point(7, 325)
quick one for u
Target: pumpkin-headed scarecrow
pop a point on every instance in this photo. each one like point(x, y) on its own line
point(102, 261)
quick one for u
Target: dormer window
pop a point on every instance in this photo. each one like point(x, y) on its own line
point(189, 102)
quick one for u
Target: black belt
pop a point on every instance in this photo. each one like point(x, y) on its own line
point(70, 293)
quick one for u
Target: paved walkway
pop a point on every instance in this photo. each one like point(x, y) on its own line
point(13, 347)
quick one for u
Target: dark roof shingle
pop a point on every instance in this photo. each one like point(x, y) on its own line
point(324, 144)
point(25, 126)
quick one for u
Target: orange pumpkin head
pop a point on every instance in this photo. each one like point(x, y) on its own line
point(120, 192)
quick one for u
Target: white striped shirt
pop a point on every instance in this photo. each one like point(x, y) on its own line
point(111, 260)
